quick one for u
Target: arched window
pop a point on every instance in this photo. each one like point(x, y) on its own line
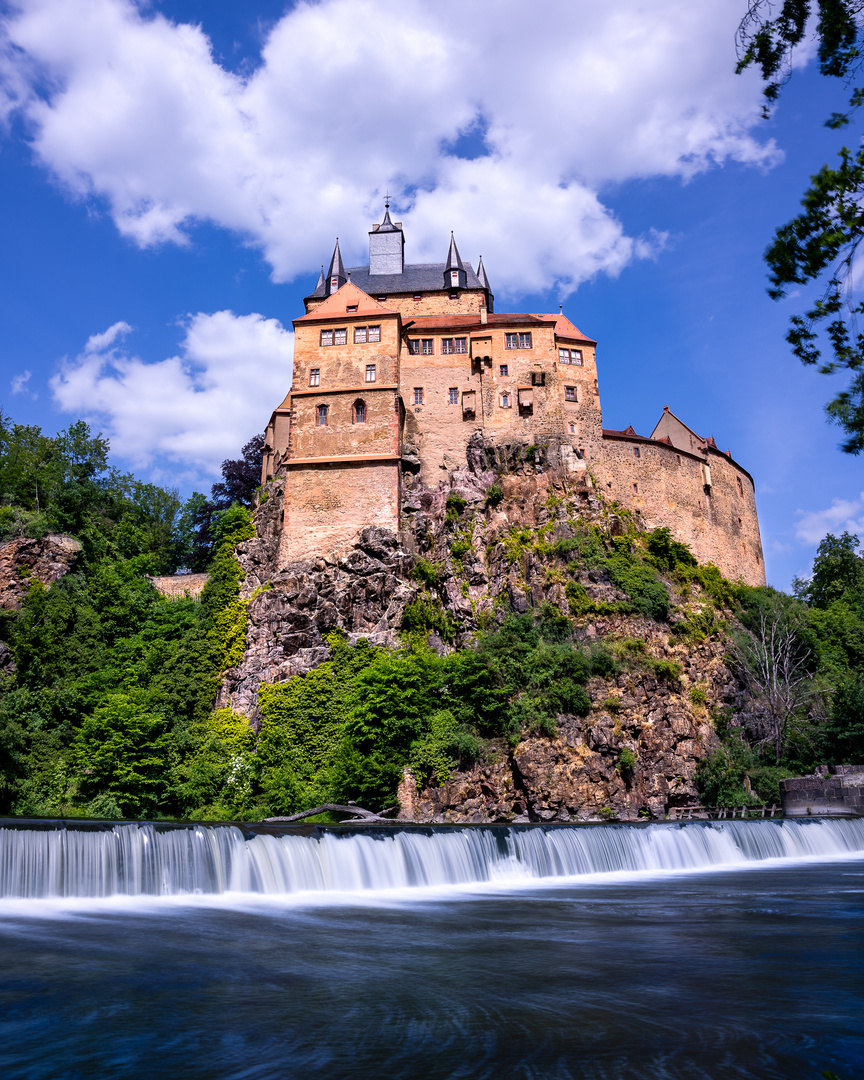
point(321, 416)
point(358, 412)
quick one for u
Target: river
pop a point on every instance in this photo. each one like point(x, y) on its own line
point(730, 950)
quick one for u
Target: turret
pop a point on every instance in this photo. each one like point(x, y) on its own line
point(336, 276)
point(484, 281)
point(454, 276)
point(386, 246)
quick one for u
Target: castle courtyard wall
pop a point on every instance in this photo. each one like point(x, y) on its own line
point(667, 486)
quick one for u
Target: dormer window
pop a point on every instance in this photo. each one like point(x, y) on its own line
point(454, 279)
point(334, 284)
point(351, 307)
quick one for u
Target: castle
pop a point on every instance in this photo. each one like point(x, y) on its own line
point(398, 365)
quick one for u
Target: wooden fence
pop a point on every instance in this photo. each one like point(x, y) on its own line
point(705, 813)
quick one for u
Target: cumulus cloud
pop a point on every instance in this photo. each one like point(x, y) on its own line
point(19, 382)
point(192, 410)
point(348, 96)
point(843, 515)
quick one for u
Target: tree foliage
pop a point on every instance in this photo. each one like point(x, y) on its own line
point(821, 243)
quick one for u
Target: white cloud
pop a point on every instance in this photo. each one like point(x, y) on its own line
point(192, 410)
point(19, 382)
point(843, 515)
point(352, 95)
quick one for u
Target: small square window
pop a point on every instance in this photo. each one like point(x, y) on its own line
point(454, 395)
point(370, 373)
point(454, 295)
point(417, 296)
point(538, 378)
point(569, 393)
point(427, 346)
point(340, 337)
point(314, 376)
point(446, 346)
point(326, 337)
point(511, 341)
point(359, 335)
point(418, 395)
point(351, 307)
point(525, 341)
point(414, 347)
point(460, 345)
point(503, 371)
point(374, 333)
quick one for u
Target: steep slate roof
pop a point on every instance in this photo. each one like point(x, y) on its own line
point(419, 278)
point(337, 305)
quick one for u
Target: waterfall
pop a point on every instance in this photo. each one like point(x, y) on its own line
point(140, 860)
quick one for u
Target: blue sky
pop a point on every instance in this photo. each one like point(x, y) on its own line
point(173, 174)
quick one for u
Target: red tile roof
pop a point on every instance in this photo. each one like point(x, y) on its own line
point(348, 296)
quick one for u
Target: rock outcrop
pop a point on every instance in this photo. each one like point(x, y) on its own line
point(24, 561)
point(490, 535)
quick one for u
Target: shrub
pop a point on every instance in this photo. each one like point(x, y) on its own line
point(456, 503)
point(426, 613)
point(494, 495)
point(460, 547)
point(698, 695)
point(667, 670)
point(626, 761)
point(647, 595)
point(668, 554)
point(427, 573)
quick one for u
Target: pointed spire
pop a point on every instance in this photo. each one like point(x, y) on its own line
point(336, 276)
point(319, 284)
point(454, 274)
point(453, 260)
point(481, 275)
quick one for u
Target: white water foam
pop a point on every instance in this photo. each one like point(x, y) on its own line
point(139, 861)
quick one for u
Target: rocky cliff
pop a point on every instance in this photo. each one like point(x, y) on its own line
point(24, 560)
point(506, 532)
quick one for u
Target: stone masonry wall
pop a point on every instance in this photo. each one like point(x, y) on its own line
point(667, 487)
point(466, 302)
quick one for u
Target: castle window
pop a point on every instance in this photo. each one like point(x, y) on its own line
point(576, 357)
point(505, 400)
point(572, 429)
point(636, 488)
point(454, 345)
point(417, 296)
point(326, 337)
point(370, 373)
point(418, 395)
point(359, 335)
point(427, 346)
point(380, 299)
point(321, 416)
point(740, 486)
point(525, 341)
point(503, 371)
point(358, 412)
point(446, 346)
point(414, 347)
point(314, 376)
point(569, 393)
point(351, 307)
point(511, 341)
point(454, 295)
point(538, 378)
point(340, 337)
point(564, 356)
point(637, 452)
point(374, 333)
point(454, 395)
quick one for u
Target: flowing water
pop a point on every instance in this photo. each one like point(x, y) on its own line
point(709, 950)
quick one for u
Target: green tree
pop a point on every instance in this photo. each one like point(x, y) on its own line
point(820, 244)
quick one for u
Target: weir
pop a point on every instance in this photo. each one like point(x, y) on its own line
point(143, 860)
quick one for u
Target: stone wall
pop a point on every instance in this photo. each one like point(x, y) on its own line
point(667, 486)
point(839, 792)
point(466, 302)
point(180, 585)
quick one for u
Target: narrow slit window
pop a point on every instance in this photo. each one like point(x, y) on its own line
point(572, 429)
point(418, 395)
point(321, 416)
point(314, 376)
point(637, 452)
point(370, 373)
point(636, 488)
point(740, 486)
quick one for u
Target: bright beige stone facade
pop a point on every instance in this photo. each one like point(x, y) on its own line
point(420, 362)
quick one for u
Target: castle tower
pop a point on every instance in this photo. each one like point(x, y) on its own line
point(386, 247)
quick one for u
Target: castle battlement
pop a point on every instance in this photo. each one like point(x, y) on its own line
point(394, 361)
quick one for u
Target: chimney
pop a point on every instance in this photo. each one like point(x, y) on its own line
point(484, 316)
